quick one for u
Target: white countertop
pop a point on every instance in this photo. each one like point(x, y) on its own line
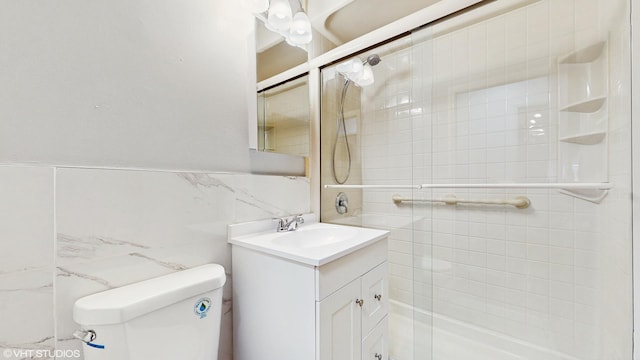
point(312, 244)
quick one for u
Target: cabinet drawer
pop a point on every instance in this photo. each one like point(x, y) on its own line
point(375, 295)
point(374, 346)
point(336, 274)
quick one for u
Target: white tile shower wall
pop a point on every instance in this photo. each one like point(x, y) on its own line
point(615, 251)
point(533, 274)
point(115, 227)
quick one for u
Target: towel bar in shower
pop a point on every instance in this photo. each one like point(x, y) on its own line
point(593, 192)
point(520, 202)
point(561, 186)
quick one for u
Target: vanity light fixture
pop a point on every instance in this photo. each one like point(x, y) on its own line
point(278, 16)
point(358, 71)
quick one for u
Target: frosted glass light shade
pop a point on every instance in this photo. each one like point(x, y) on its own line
point(257, 6)
point(366, 78)
point(280, 16)
point(351, 69)
point(300, 33)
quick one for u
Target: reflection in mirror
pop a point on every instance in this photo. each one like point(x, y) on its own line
point(283, 118)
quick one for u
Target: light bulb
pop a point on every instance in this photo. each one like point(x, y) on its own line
point(300, 33)
point(280, 15)
point(351, 69)
point(356, 66)
point(344, 67)
point(256, 6)
point(366, 78)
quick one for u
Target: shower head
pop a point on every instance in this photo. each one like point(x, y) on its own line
point(373, 60)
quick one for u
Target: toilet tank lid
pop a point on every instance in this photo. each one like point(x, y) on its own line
point(121, 304)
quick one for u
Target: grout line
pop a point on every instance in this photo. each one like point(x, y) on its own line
point(158, 170)
point(55, 259)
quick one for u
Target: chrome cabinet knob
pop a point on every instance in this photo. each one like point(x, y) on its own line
point(360, 302)
point(378, 356)
point(378, 297)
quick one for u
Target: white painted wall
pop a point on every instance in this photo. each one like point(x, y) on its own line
point(134, 84)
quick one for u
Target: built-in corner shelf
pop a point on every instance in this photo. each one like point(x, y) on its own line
point(583, 119)
point(594, 196)
point(585, 139)
point(587, 55)
point(586, 106)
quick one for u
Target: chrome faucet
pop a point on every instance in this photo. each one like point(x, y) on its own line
point(290, 224)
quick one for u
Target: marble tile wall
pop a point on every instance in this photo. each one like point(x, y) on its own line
point(26, 259)
point(112, 228)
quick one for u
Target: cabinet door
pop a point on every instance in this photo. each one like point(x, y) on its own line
point(376, 299)
point(374, 346)
point(339, 324)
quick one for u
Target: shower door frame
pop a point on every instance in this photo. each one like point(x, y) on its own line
point(635, 155)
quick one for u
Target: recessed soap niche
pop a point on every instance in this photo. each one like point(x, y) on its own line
point(583, 117)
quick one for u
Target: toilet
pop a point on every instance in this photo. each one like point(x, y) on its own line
point(176, 316)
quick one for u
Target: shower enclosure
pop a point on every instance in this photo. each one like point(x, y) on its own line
point(495, 146)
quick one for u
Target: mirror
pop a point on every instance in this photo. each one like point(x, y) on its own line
point(283, 118)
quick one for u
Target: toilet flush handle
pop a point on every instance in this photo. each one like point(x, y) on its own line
point(87, 336)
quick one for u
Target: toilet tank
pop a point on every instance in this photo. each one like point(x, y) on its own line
point(176, 316)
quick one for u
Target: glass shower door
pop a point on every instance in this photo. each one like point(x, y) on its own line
point(536, 92)
point(525, 95)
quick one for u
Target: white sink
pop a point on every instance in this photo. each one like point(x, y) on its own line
point(312, 236)
point(313, 243)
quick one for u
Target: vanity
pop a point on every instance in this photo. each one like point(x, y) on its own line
point(316, 293)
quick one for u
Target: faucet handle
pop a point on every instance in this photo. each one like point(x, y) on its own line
point(280, 223)
point(293, 226)
point(295, 221)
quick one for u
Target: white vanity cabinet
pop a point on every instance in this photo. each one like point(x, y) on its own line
point(285, 309)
